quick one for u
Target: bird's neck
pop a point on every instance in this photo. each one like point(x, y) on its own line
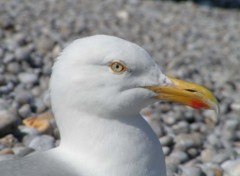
point(128, 142)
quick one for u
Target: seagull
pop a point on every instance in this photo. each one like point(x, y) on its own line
point(98, 86)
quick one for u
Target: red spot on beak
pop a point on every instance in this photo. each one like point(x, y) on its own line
point(198, 104)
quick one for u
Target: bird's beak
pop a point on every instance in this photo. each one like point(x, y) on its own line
point(186, 93)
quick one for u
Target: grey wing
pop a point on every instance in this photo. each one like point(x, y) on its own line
point(36, 165)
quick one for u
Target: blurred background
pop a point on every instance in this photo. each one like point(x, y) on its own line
point(198, 41)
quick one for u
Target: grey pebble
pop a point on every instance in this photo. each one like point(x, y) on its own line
point(211, 169)
point(214, 141)
point(22, 151)
point(207, 154)
point(181, 127)
point(166, 150)
point(27, 78)
point(23, 96)
point(8, 58)
point(179, 155)
point(185, 141)
point(191, 171)
point(169, 120)
point(7, 119)
point(22, 54)
point(232, 167)
point(166, 141)
point(220, 157)
point(39, 105)
point(235, 106)
point(24, 111)
point(13, 67)
point(31, 132)
point(192, 152)
point(3, 104)
point(42, 143)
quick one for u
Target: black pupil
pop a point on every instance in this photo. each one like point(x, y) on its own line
point(117, 66)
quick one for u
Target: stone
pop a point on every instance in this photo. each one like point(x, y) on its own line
point(42, 143)
point(24, 111)
point(212, 169)
point(181, 127)
point(235, 106)
point(6, 151)
point(179, 155)
point(166, 141)
point(220, 158)
point(8, 141)
point(22, 54)
point(166, 150)
point(207, 154)
point(185, 141)
point(7, 120)
point(191, 171)
point(27, 78)
point(9, 57)
point(22, 151)
point(192, 152)
point(28, 131)
point(23, 96)
point(232, 167)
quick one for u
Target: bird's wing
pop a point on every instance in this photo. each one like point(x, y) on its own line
point(41, 164)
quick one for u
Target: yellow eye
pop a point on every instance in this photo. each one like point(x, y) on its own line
point(117, 67)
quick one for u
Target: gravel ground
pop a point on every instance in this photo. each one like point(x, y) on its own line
point(195, 43)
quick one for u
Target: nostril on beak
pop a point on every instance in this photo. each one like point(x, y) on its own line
point(190, 90)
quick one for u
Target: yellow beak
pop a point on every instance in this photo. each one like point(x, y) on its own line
point(186, 93)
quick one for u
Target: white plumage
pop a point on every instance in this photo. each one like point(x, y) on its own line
point(98, 86)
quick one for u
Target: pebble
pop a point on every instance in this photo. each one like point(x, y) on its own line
point(232, 167)
point(166, 150)
point(181, 127)
point(191, 171)
point(27, 131)
point(185, 141)
point(235, 106)
point(6, 151)
point(27, 78)
point(166, 141)
point(8, 58)
point(7, 120)
point(13, 67)
point(220, 158)
point(179, 155)
point(42, 143)
point(207, 154)
point(22, 151)
point(23, 96)
point(214, 141)
point(211, 169)
point(192, 152)
point(24, 111)
point(21, 54)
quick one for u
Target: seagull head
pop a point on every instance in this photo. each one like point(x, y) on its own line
point(112, 77)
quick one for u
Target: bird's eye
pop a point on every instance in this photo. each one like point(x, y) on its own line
point(117, 67)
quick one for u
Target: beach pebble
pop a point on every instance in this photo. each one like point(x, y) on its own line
point(27, 78)
point(191, 171)
point(232, 167)
point(7, 120)
point(42, 143)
